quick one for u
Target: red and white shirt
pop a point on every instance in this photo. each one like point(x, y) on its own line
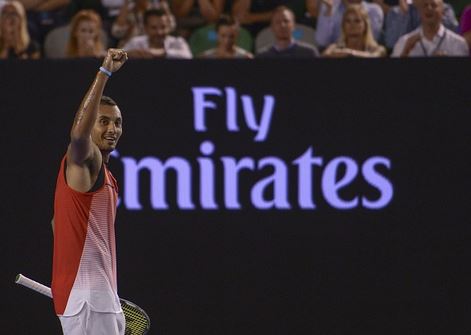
point(84, 262)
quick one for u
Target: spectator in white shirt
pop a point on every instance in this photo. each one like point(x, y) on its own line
point(157, 43)
point(329, 20)
point(130, 21)
point(405, 18)
point(431, 38)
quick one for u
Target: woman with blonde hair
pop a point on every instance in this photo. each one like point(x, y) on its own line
point(15, 41)
point(356, 38)
point(85, 38)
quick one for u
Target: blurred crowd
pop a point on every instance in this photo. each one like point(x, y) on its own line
point(33, 29)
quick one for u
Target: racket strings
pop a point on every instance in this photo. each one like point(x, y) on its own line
point(137, 322)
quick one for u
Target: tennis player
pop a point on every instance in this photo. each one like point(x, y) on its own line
point(84, 284)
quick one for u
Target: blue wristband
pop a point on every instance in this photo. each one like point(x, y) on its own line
point(106, 71)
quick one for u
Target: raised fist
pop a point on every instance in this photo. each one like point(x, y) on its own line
point(115, 58)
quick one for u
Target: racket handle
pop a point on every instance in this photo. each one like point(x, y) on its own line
point(34, 285)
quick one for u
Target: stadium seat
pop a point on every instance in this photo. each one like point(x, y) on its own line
point(56, 40)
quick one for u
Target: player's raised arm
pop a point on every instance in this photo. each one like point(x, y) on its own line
point(85, 201)
point(81, 145)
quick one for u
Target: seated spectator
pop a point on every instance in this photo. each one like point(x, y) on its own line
point(312, 7)
point(254, 15)
point(15, 41)
point(192, 14)
point(405, 18)
point(227, 30)
point(111, 7)
point(130, 21)
point(157, 42)
point(282, 25)
point(329, 20)
point(385, 4)
point(431, 38)
point(45, 15)
point(465, 26)
point(95, 5)
point(356, 38)
point(85, 35)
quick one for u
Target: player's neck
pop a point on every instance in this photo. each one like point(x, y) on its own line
point(105, 156)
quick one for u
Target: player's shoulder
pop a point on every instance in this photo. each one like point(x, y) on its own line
point(94, 159)
point(454, 36)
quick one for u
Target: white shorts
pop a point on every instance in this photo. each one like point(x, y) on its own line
point(88, 322)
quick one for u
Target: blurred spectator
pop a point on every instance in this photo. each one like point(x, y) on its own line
point(312, 7)
point(465, 26)
point(385, 4)
point(431, 38)
point(130, 21)
point(254, 15)
point(405, 18)
point(45, 15)
point(227, 31)
point(15, 41)
point(157, 42)
point(329, 20)
point(85, 35)
point(300, 10)
point(356, 38)
point(95, 5)
point(282, 25)
point(192, 14)
point(112, 7)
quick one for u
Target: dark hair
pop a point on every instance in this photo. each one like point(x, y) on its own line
point(153, 12)
point(281, 9)
point(225, 20)
point(107, 101)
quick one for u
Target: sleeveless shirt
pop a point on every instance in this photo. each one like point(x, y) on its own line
point(84, 260)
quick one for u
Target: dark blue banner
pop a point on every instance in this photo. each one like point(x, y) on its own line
point(262, 197)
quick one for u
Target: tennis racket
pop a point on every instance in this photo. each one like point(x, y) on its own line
point(137, 320)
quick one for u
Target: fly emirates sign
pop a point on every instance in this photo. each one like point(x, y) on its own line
point(214, 182)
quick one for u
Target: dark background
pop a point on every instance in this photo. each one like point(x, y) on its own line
point(403, 269)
